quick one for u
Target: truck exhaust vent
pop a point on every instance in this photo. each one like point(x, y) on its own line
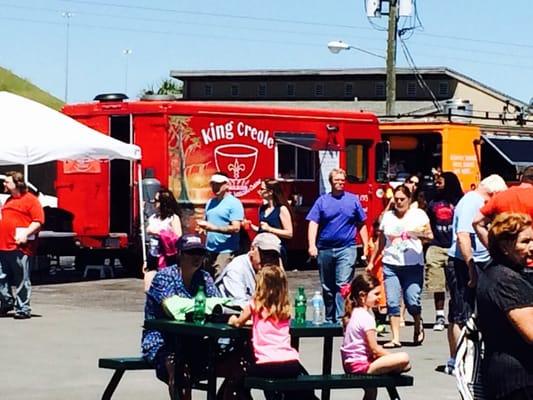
point(105, 97)
point(159, 97)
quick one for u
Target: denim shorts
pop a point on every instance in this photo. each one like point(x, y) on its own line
point(406, 279)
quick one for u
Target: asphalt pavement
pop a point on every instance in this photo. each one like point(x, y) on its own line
point(54, 355)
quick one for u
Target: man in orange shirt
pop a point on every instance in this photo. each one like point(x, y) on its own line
point(22, 217)
point(515, 199)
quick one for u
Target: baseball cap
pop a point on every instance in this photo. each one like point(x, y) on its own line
point(219, 178)
point(267, 241)
point(190, 242)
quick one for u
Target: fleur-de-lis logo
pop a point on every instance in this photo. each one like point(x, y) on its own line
point(236, 168)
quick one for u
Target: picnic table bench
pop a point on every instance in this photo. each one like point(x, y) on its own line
point(339, 381)
point(123, 364)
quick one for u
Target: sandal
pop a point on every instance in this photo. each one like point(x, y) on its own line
point(419, 335)
point(392, 345)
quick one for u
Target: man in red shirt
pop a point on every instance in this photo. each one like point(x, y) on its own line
point(515, 199)
point(22, 217)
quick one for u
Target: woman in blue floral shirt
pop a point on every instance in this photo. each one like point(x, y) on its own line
point(183, 281)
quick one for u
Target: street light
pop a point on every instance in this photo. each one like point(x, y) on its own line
point(337, 45)
point(126, 53)
point(67, 15)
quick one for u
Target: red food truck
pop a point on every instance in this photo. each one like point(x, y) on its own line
point(183, 143)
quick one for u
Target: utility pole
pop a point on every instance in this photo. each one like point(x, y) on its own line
point(391, 58)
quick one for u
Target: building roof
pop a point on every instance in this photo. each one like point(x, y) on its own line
point(187, 74)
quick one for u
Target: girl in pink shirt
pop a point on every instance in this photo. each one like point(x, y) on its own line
point(270, 311)
point(360, 352)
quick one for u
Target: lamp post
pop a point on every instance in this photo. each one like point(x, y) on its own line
point(338, 45)
point(126, 53)
point(67, 15)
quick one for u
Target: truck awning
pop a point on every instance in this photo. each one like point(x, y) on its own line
point(517, 150)
point(304, 140)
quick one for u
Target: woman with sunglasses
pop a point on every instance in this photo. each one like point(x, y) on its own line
point(413, 184)
point(275, 215)
point(162, 227)
point(402, 231)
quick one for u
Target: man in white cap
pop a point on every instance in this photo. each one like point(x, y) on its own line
point(223, 216)
point(237, 280)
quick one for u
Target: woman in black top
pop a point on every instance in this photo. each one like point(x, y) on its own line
point(505, 309)
point(274, 215)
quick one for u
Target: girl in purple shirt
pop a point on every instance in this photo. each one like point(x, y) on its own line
point(270, 312)
point(360, 352)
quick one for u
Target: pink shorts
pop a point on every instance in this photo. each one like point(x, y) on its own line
point(356, 367)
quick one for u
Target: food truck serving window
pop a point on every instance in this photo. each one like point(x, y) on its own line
point(295, 157)
point(356, 161)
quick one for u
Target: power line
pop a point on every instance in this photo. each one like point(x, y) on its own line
point(169, 21)
point(284, 42)
point(161, 32)
point(281, 20)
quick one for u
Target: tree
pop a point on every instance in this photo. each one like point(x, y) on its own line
point(165, 87)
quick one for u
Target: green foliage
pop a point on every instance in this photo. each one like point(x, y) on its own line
point(165, 87)
point(9, 82)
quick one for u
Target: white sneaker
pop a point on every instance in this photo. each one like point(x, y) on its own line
point(440, 323)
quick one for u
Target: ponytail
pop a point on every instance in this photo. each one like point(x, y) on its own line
point(361, 284)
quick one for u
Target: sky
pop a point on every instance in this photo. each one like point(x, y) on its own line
point(130, 45)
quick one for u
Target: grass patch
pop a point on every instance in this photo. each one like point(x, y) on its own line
point(10, 82)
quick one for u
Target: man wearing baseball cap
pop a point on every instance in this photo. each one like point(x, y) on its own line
point(223, 216)
point(182, 280)
point(237, 280)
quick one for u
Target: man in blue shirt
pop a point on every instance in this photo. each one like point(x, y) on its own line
point(223, 216)
point(334, 219)
point(465, 252)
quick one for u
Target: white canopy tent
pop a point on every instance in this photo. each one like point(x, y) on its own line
point(32, 133)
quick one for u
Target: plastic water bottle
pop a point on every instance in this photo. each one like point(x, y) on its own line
point(318, 307)
point(300, 306)
point(198, 314)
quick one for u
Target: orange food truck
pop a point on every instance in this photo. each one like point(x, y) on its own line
point(183, 143)
point(472, 151)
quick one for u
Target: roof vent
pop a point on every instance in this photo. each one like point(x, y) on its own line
point(159, 97)
point(459, 110)
point(107, 97)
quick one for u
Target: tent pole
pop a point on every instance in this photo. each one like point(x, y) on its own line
point(26, 173)
point(141, 210)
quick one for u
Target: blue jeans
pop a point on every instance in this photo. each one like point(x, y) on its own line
point(336, 268)
point(406, 278)
point(15, 270)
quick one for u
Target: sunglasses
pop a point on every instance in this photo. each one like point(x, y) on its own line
point(413, 181)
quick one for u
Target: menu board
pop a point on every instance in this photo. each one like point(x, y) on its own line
point(328, 160)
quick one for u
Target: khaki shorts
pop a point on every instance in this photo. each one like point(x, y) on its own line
point(436, 260)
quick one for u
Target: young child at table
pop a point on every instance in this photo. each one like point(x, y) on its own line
point(360, 352)
point(271, 312)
